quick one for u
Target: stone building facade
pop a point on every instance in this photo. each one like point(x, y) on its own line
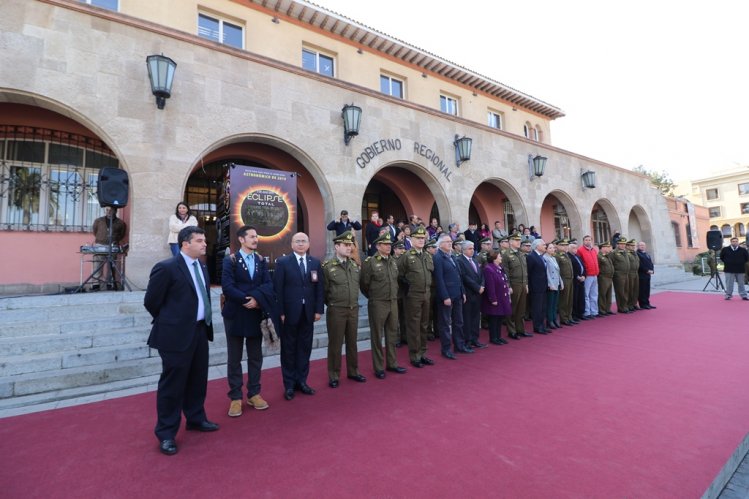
point(78, 77)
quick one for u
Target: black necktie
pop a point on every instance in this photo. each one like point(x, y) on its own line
point(301, 267)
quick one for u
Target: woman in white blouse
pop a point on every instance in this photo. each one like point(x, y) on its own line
point(182, 218)
point(555, 285)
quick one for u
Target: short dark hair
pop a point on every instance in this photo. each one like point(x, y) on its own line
point(244, 230)
point(492, 256)
point(185, 235)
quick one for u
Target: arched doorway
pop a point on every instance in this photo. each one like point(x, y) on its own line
point(603, 221)
point(496, 200)
point(559, 217)
point(404, 190)
point(204, 184)
point(639, 226)
point(50, 159)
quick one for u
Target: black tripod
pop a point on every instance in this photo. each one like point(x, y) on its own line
point(714, 275)
point(116, 273)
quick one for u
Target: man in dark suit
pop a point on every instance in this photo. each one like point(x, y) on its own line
point(538, 285)
point(249, 294)
point(450, 299)
point(298, 281)
point(473, 284)
point(472, 233)
point(578, 284)
point(179, 301)
point(645, 271)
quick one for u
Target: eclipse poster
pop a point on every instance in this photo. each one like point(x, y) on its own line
point(266, 200)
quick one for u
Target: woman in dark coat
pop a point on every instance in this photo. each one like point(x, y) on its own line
point(495, 302)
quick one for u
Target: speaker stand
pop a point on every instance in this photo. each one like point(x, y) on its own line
point(717, 284)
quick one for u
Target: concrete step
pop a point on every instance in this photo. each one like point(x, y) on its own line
point(82, 381)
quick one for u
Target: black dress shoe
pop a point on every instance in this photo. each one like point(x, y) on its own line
point(525, 335)
point(380, 374)
point(288, 394)
point(399, 370)
point(653, 306)
point(417, 364)
point(502, 341)
point(514, 337)
point(540, 331)
point(306, 389)
point(495, 342)
point(478, 344)
point(427, 361)
point(465, 350)
point(585, 317)
point(168, 447)
point(449, 355)
point(550, 326)
point(333, 383)
point(573, 321)
point(358, 378)
point(203, 426)
point(557, 324)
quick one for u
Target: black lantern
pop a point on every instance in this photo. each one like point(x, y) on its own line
point(536, 166)
point(462, 149)
point(161, 73)
point(589, 179)
point(351, 115)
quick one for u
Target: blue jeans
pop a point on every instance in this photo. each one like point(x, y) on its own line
point(175, 248)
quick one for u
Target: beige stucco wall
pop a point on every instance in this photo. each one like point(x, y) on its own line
point(93, 70)
point(729, 200)
point(283, 41)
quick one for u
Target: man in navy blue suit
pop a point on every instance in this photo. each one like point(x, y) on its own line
point(179, 301)
point(250, 298)
point(450, 299)
point(298, 282)
point(538, 285)
point(473, 284)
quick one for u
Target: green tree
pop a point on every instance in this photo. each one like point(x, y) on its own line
point(661, 180)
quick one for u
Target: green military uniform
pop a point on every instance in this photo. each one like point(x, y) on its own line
point(415, 268)
point(567, 275)
point(633, 278)
point(483, 255)
point(605, 281)
point(342, 314)
point(517, 272)
point(620, 259)
point(402, 340)
point(379, 283)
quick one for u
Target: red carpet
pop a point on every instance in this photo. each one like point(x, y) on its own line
point(646, 405)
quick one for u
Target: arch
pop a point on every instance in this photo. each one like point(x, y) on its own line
point(415, 202)
point(490, 199)
point(32, 267)
point(557, 208)
point(725, 229)
point(739, 229)
point(639, 226)
point(314, 197)
point(611, 216)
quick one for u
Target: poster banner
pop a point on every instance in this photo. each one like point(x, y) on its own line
point(693, 225)
point(265, 199)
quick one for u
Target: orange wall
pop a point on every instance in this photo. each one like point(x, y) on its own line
point(677, 212)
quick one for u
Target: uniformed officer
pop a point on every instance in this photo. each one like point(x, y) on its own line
point(621, 275)
point(342, 315)
point(484, 249)
point(504, 244)
point(525, 248)
point(399, 248)
point(517, 273)
point(567, 275)
point(633, 278)
point(415, 269)
point(379, 283)
point(605, 278)
point(431, 248)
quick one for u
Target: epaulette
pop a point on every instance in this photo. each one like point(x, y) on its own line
point(367, 259)
point(413, 251)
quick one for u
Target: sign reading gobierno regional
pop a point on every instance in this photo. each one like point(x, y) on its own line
point(266, 200)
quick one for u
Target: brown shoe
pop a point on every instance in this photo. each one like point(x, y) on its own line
point(257, 402)
point(235, 409)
